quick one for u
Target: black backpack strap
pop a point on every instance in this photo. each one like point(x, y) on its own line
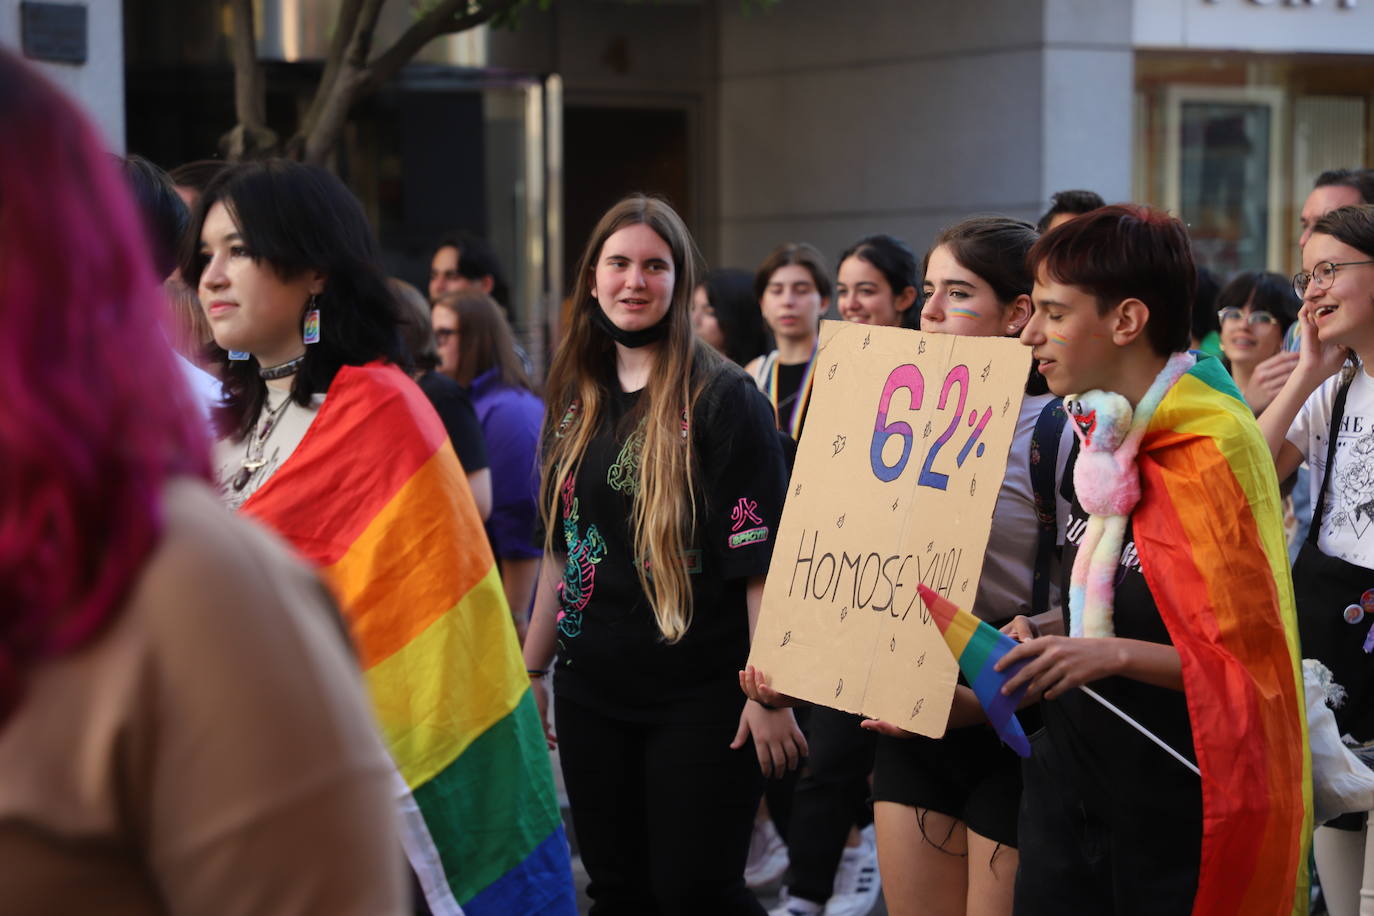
point(1337, 413)
point(1044, 462)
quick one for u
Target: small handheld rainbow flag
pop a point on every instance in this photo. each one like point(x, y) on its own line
point(977, 647)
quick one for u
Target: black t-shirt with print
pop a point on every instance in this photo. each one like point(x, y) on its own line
point(611, 655)
point(1122, 777)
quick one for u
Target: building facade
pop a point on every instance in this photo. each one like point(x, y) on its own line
point(809, 120)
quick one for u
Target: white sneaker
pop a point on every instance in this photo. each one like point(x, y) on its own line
point(798, 907)
point(767, 855)
point(857, 883)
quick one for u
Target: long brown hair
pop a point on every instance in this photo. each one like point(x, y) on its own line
point(663, 518)
point(484, 339)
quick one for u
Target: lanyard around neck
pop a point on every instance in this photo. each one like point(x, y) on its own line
point(794, 424)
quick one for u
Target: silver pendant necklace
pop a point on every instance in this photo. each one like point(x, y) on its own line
point(257, 441)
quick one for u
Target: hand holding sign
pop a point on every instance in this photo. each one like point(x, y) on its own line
point(917, 510)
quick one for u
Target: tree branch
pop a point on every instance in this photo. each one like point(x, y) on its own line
point(251, 134)
point(444, 19)
point(355, 77)
point(344, 27)
point(351, 41)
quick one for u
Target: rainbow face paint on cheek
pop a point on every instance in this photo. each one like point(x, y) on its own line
point(963, 313)
point(1059, 339)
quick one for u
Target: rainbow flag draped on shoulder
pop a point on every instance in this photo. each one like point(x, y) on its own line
point(1209, 532)
point(375, 496)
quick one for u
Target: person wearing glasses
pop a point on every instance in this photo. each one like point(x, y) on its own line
point(477, 350)
point(1255, 311)
point(1323, 415)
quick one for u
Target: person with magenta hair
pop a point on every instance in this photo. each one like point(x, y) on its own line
point(477, 351)
point(329, 442)
point(663, 483)
point(182, 728)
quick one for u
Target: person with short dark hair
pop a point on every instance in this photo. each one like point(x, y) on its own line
point(725, 314)
point(192, 178)
point(327, 441)
point(1255, 311)
point(1186, 625)
point(463, 261)
point(1325, 415)
point(1334, 188)
point(1065, 205)
point(164, 213)
point(165, 216)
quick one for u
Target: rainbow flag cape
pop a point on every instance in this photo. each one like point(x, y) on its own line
point(375, 496)
point(1209, 532)
point(977, 647)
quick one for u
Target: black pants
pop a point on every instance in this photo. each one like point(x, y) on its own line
point(1077, 857)
point(830, 798)
point(662, 812)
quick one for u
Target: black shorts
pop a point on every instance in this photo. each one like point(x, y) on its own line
point(969, 774)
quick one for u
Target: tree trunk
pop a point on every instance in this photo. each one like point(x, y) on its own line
point(352, 76)
point(251, 137)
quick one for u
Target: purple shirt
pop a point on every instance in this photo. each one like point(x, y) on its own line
point(510, 419)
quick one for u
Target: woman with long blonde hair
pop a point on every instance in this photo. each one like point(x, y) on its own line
point(663, 481)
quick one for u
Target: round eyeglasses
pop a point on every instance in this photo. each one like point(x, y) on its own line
point(1324, 274)
point(1258, 317)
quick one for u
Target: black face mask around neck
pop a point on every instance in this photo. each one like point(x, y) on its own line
point(632, 339)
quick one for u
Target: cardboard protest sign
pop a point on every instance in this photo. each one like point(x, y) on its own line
point(897, 473)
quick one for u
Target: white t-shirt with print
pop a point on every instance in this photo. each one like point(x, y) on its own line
point(1347, 530)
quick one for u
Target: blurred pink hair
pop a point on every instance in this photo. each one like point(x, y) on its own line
point(96, 414)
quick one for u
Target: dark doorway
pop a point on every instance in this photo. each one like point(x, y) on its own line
point(611, 152)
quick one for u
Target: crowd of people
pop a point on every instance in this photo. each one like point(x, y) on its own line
point(279, 532)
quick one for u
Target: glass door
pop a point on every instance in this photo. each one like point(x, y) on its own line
point(1223, 174)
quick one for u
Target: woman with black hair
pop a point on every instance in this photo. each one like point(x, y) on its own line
point(725, 314)
point(1255, 311)
point(877, 283)
point(326, 440)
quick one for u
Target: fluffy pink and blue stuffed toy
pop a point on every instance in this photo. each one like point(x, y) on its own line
point(1107, 484)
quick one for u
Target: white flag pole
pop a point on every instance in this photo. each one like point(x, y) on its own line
point(1142, 729)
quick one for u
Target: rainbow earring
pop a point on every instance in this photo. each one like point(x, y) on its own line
point(311, 332)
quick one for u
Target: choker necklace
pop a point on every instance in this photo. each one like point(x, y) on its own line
point(282, 371)
point(632, 339)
